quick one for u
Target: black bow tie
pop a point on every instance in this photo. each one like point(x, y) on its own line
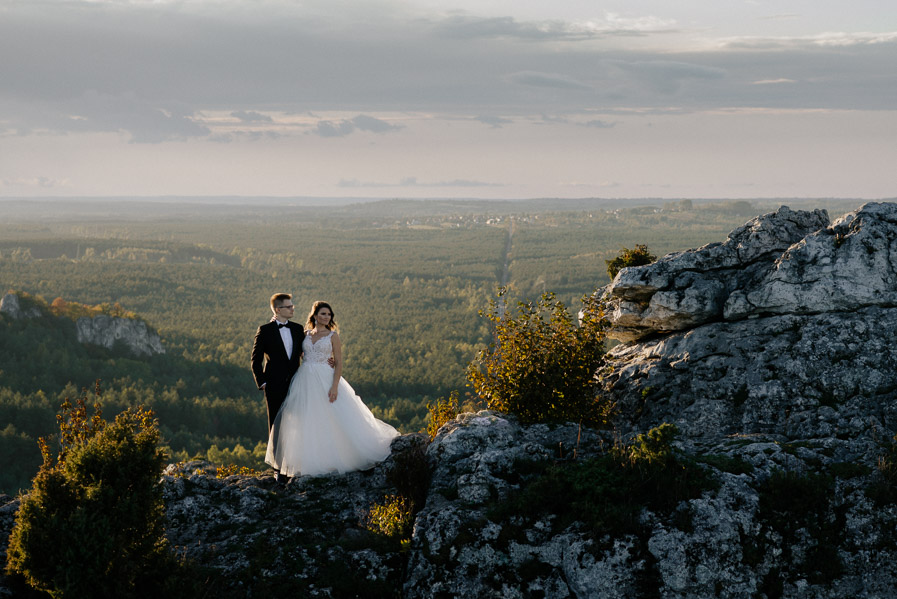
point(280, 326)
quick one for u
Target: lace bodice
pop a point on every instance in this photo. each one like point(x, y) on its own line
point(318, 352)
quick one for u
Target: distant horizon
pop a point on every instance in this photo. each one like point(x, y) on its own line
point(348, 200)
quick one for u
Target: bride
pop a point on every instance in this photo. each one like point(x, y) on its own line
point(323, 425)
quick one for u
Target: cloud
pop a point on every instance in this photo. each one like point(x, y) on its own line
point(496, 122)
point(144, 121)
point(362, 122)
point(602, 184)
point(671, 69)
point(141, 120)
point(251, 116)
point(855, 39)
point(236, 136)
point(413, 182)
point(780, 17)
point(112, 66)
point(598, 124)
point(374, 125)
point(331, 129)
point(830, 39)
point(551, 80)
point(553, 119)
point(772, 81)
point(472, 27)
point(667, 76)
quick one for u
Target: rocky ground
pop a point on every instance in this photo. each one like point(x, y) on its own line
point(772, 353)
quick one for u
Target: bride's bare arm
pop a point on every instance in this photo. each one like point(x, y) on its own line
point(337, 365)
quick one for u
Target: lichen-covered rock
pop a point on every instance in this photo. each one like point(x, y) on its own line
point(824, 375)
point(8, 508)
point(307, 537)
point(459, 550)
point(789, 518)
point(850, 265)
point(685, 289)
point(778, 508)
point(802, 348)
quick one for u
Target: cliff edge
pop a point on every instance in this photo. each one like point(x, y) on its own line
point(772, 352)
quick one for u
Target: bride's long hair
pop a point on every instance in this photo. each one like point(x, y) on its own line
point(316, 307)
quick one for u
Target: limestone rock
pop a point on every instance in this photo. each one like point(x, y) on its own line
point(686, 289)
point(729, 542)
point(802, 348)
point(732, 541)
point(107, 331)
point(8, 508)
point(12, 307)
point(850, 265)
point(785, 262)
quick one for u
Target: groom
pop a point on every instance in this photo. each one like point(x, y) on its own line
point(275, 356)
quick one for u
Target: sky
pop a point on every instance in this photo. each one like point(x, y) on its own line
point(495, 99)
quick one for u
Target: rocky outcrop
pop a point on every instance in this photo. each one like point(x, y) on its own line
point(785, 262)
point(12, 307)
point(685, 289)
point(460, 550)
point(774, 355)
point(811, 532)
point(799, 376)
point(842, 268)
point(782, 518)
point(299, 540)
point(107, 331)
point(799, 343)
point(8, 508)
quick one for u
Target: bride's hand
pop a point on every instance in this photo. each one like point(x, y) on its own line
point(332, 395)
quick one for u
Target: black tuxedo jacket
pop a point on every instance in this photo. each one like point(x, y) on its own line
point(271, 366)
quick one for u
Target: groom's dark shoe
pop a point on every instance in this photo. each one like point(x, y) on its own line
point(281, 479)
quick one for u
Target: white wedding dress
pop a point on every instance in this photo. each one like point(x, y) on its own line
point(311, 435)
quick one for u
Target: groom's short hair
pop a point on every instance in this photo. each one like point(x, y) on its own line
point(278, 298)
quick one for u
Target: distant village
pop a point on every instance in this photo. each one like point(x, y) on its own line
point(470, 221)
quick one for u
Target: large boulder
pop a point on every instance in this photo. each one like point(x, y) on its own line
point(798, 340)
point(686, 289)
point(849, 265)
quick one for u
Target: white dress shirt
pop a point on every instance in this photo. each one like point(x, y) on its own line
point(287, 337)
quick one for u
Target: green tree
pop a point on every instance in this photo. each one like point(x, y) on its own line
point(637, 256)
point(542, 364)
point(93, 523)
